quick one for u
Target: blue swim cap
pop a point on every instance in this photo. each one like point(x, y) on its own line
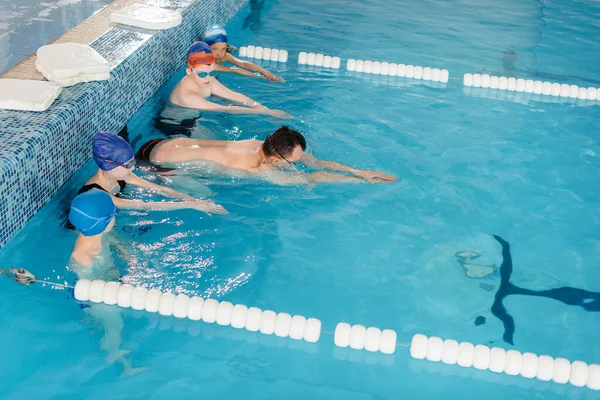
point(111, 151)
point(215, 34)
point(92, 211)
point(198, 54)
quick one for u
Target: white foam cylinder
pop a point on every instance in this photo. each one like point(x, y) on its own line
point(372, 338)
point(224, 310)
point(418, 346)
point(435, 347)
point(529, 365)
point(253, 316)
point(82, 290)
point(387, 342)
point(283, 56)
point(368, 67)
point(564, 90)
point(410, 71)
point(528, 87)
point(502, 83)
point(302, 57)
point(385, 68)
point(450, 352)
point(266, 54)
point(436, 75)
point(312, 330)
point(401, 70)
point(485, 81)
point(444, 76)
point(351, 64)
point(250, 51)
point(497, 360)
point(579, 373)
point(545, 368)
point(547, 88)
point(476, 80)
point(511, 85)
point(267, 322)
point(274, 54)
point(466, 354)
point(195, 307)
point(494, 82)
point(282, 324)
point(573, 91)
point(180, 306)
point(376, 67)
point(341, 336)
point(243, 52)
point(593, 379)
point(393, 69)
point(96, 290)
point(238, 316)
point(152, 298)
point(258, 50)
point(521, 85)
point(513, 363)
point(327, 61)
point(336, 62)
point(124, 295)
point(538, 87)
point(297, 327)
point(209, 310)
point(166, 303)
point(310, 59)
point(481, 358)
point(357, 337)
point(360, 66)
point(426, 73)
point(592, 93)
point(562, 371)
point(555, 89)
point(138, 298)
point(418, 73)
point(319, 60)
point(582, 94)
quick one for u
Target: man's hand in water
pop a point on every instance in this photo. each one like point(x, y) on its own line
point(274, 78)
point(208, 206)
point(375, 177)
point(279, 114)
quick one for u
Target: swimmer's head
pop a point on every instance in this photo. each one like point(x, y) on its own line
point(113, 154)
point(216, 37)
point(93, 212)
point(284, 144)
point(201, 63)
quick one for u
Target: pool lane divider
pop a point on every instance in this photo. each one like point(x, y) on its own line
point(357, 337)
point(546, 88)
point(264, 53)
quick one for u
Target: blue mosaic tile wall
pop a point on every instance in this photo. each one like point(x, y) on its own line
point(40, 151)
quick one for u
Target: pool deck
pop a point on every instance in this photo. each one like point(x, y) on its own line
point(41, 150)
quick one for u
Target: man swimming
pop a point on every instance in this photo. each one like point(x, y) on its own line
point(199, 83)
point(216, 37)
point(281, 150)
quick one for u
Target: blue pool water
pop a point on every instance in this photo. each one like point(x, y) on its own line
point(377, 255)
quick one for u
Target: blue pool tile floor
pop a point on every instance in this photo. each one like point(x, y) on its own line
point(25, 25)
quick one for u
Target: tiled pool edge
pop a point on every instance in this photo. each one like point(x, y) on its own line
point(40, 151)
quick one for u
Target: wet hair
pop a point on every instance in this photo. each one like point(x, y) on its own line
point(282, 142)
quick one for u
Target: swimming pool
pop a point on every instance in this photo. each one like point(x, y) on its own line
point(379, 255)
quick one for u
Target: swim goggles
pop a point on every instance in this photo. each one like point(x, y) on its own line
point(129, 164)
point(291, 164)
point(205, 74)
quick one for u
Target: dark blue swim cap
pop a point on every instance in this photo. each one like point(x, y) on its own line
point(198, 54)
point(111, 151)
point(92, 211)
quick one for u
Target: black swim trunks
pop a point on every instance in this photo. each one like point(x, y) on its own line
point(143, 157)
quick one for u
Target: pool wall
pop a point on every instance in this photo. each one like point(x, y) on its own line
point(40, 151)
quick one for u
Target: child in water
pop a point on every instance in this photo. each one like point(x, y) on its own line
point(216, 37)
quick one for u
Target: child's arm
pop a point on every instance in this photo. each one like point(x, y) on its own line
point(239, 71)
point(253, 67)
